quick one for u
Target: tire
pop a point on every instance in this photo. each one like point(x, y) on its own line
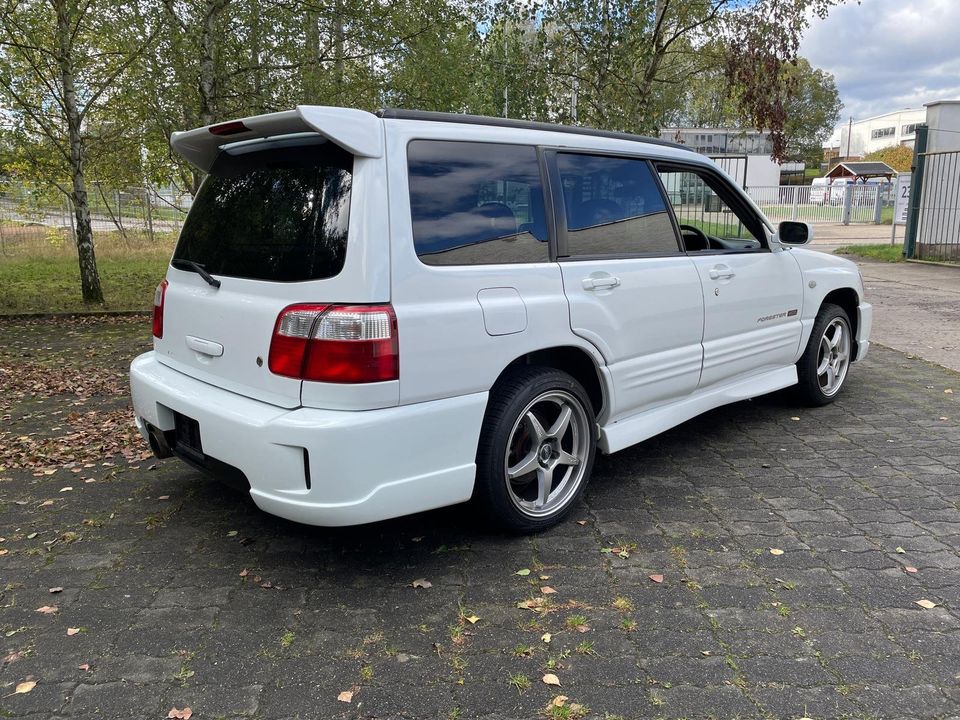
point(823, 368)
point(523, 432)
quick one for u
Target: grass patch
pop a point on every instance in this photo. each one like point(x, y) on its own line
point(884, 252)
point(40, 274)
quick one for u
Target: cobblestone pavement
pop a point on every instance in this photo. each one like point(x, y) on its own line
point(176, 592)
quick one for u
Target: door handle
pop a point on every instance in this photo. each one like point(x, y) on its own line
point(721, 271)
point(204, 347)
point(601, 283)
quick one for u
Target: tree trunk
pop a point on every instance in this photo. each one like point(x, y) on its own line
point(310, 74)
point(208, 60)
point(89, 275)
point(339, 50)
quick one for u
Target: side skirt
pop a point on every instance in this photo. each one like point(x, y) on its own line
point(636, 428)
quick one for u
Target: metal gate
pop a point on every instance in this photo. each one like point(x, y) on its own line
point(938, 211)
point(733, 165)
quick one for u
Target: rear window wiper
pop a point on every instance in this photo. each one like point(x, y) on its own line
point(181, 264)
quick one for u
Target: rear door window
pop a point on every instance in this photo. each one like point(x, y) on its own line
point(613, 206)
point(476, 203)
point(276, 214)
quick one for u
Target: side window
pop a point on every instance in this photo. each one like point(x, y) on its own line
point(707, 220)
point(613, 206)
point(476, 203)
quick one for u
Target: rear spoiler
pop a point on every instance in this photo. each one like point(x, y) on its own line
point(356, 131)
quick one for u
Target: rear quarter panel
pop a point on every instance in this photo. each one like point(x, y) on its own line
point(445, 347)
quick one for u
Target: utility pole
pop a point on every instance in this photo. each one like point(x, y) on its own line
point(849, 133)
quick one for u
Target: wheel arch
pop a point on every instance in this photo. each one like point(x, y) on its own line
point(573, 360)
point(848, 299)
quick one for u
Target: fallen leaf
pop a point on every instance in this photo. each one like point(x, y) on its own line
point(72, 631)
point(546, 637)
point(184, 714)
point(909, 569)
point(582, 628)
point(25, 687)
point(232, 533)
point(776, 551)
point(656, 577)
point(534, 604)
point(244, 572)
point(57, 589)
point(473, 619)
point(795, 418)
point(421, 583)
point(948, 391)
point(551, 679)
point(547, 590)
point(4, 551)
point(926, 604)
point(85, 666)
point(163, 497)
point(346, 696)
point(523, 573)
point(581, 522)
point(31, 536)
point(66, 489)
point(418, 538)
point(559, 701)
point(900, 550)
point(706, 653)
point(48, 609)
point(544, 577)
point(46, 503)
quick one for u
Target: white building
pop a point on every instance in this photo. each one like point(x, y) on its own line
point(866, 136)
point(743, 154)
point(943, 122)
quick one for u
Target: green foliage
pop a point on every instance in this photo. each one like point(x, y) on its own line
point(813, 109)
point(885, 253)
point(899, 157)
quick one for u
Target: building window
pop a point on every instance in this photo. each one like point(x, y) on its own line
point(910, 129)
point(882, 133)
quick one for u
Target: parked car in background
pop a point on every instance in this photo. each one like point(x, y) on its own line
point(820, 191)
point(371, 315)
point(838, 189)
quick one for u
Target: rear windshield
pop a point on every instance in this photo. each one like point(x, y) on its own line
point(279, 214)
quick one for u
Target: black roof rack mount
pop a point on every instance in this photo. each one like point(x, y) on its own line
point(400, 114)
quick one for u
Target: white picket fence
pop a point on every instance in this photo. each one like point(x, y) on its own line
point(846, 204)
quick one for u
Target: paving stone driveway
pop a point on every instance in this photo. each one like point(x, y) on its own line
point(185, 595)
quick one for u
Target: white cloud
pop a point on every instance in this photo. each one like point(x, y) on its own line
point(888, 54)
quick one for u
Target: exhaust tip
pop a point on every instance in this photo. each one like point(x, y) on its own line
point(158, 442)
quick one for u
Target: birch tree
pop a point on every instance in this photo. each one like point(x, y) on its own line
point(62, 62)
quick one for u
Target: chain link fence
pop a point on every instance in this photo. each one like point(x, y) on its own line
point(133, 215)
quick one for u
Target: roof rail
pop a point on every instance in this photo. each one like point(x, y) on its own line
point(401, 114)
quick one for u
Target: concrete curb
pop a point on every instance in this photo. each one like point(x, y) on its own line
point(75, 315)
point(955, 266)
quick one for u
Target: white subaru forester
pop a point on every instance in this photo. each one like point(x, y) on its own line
point(370, 315)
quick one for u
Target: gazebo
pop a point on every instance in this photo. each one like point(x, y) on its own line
point(861, 171)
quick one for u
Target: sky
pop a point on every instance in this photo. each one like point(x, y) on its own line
point(888, 54)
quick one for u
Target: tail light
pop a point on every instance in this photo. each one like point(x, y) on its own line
point(336, 343)
point(158, 297)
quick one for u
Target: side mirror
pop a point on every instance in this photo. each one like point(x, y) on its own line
point(790, 232)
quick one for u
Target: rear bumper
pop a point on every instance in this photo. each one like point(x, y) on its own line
point(323, 467)
point(864, 326)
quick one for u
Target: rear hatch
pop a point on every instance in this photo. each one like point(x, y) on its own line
point(270, 225)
